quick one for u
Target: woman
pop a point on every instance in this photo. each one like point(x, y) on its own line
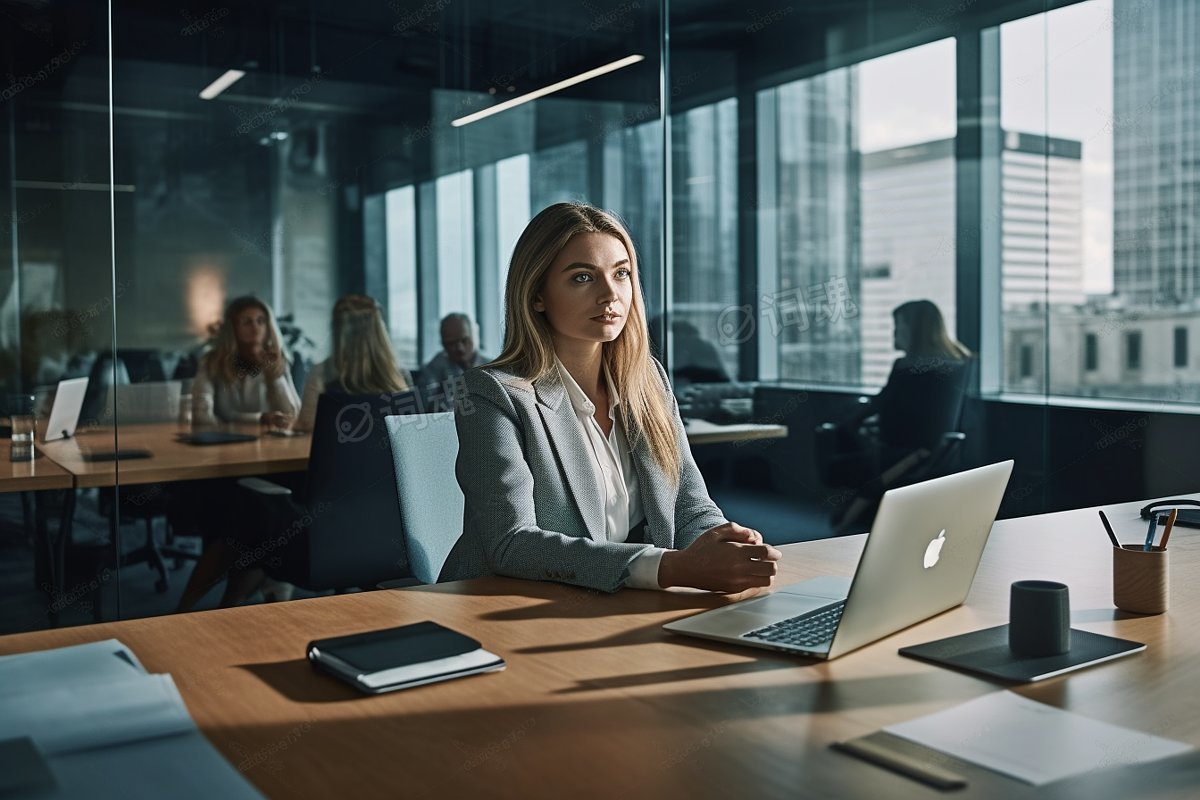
point(572, 456)
point(362, 360)
point(919, 331)
point(921, 402)
point(245, 377)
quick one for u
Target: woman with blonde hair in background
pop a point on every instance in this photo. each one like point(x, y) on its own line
point(362, 361)
point(245, 377)
point(572, 455)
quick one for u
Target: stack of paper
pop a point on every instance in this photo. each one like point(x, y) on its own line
point(89, 721)
point(1031, 741)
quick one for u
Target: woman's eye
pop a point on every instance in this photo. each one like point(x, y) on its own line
point(623, 273)
point(581, 277)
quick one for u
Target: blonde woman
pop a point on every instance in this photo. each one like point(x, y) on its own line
point(245, 377)
point(362, 360)
point(572, 456)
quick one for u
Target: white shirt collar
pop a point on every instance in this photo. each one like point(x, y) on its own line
point(579, 399)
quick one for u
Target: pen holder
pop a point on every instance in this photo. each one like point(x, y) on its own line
point(1141, 579)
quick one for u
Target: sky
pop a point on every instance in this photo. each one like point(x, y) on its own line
point(1055, 79)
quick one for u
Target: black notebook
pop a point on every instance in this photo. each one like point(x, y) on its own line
point(399, 658)
point(215, 437)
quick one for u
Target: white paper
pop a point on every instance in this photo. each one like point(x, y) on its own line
point(95, 662)
point(1031, 741)
point(70, 718)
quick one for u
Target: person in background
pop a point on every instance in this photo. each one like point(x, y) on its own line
point(458, 355)
point(921, 401)
point(245, 376)
point(572, 457)
point(362, 361)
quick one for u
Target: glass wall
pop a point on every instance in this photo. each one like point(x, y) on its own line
point(790, 176)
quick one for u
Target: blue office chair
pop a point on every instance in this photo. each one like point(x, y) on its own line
point(424, 449)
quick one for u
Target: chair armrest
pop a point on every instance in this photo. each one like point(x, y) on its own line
point(264, 487)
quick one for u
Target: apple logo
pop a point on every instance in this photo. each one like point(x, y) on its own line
point(934, 551)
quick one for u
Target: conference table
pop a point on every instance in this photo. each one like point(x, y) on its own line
point(171, 459)
point(701, 431)
point(598, 701)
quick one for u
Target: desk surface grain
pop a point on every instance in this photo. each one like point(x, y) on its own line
point(599, 701)
point(173, 460)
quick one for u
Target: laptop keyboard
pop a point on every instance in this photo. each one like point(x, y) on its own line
point(806, 630)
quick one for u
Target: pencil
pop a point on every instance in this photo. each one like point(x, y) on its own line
point(1108, 529)
point(1167, 530)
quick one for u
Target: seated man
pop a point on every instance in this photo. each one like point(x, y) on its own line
point(458, 355)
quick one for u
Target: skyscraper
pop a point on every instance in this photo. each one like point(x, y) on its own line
point(1156, 151)
point(909, 234)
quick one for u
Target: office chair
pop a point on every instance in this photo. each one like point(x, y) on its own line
point(424, 449)
point(342, 529)
point(912, 436)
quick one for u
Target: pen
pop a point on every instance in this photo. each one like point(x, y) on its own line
point(1150, 533)
point(1108, 529)
point(914, 768)
point(1167, 530)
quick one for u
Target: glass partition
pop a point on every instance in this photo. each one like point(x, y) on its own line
point(791, 176)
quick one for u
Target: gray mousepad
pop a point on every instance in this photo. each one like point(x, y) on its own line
point(986, 652)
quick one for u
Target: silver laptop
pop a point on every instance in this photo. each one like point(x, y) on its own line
point(919, 560)
point(64, 414)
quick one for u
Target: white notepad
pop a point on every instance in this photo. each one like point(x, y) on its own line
point(1031, 741)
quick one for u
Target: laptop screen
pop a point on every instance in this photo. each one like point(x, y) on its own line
point(64, 414)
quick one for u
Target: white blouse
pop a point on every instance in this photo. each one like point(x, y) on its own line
point(616, 474)
point(243, 401)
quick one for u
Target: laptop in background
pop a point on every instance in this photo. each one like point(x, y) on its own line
point(919, 560)
point(137, 403)
point(64, 414)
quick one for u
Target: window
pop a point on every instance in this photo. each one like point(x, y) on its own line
point(1133, 350)
point(1097, 181)
point(1026, 367)
point(855, 167)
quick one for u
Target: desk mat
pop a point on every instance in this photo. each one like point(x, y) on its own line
point(986, 652)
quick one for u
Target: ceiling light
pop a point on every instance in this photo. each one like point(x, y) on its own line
point(551, 89)
point(222, 83)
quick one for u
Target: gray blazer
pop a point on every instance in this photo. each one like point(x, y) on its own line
point(534, 506)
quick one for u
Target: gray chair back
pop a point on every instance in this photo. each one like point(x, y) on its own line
point(424, 449)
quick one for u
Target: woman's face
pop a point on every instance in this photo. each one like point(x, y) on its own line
point(901, 335)
point(588, 290)
point(250, 327)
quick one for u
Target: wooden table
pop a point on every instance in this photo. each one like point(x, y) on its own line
point(31, 476)
point(173, 460)
point(170, 460)
point(599, 701)
point(701, 431)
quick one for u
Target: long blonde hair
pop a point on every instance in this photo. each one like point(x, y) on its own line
point(362, 353)
point(222, 361)
point(927, 334)
point(528, 338)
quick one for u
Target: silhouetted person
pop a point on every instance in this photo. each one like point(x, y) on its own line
point(921, 401)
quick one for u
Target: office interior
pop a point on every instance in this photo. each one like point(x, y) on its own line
point(790, 172)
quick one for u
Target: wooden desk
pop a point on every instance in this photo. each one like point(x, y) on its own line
point(173, 460)
point(30, 476)
point(599, 701)
point(701, 431)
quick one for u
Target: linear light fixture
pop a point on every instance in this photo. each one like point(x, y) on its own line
point(222, 83)
point(551, 89)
